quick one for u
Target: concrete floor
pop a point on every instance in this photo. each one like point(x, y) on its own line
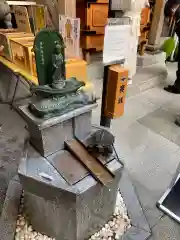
point(148, 141)
point(149, 144)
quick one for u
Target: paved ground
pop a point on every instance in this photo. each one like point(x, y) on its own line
point(150, 146)
point(149, 143)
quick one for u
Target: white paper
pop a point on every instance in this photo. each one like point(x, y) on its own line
point(122, 4)
point(129, 5)
point(116, 43)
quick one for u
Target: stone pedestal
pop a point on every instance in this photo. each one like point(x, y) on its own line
point(48, 136)
point(66, 205)
point(62, 199)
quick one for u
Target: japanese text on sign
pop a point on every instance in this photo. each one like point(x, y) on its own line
point(22, 19)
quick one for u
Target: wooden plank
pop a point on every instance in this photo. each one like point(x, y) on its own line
point(95, 167)
point(157, 23)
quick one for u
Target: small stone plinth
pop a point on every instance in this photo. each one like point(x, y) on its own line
point(48, 136)
point(63, 206)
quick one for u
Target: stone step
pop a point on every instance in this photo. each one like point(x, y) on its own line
point(151, 59)
point(147, 78)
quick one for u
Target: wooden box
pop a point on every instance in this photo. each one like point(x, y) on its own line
point(93, 16)
point(95, 42)
point(76, 68)
point(116, 91)
point(5, 41)
point(22, 55)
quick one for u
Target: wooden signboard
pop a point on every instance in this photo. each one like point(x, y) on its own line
point(116, 91)
point(39, 17)
point(22, 19)
point(37, 14)
point(70, 31)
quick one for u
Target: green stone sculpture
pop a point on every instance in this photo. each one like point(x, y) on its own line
point(57, 95)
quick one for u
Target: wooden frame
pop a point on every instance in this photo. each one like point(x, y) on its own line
point(22, 55)
point(5, 41)
point(157, 23)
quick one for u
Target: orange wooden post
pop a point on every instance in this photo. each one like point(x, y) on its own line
point(116, 91)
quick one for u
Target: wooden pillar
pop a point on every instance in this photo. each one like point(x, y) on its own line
point(157, 23)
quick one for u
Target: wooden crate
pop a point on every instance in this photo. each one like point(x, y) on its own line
point(5, 41)
point(76, 68)
point(92, 42)
point(97, 14)
point(93, 16)
point(22, 55)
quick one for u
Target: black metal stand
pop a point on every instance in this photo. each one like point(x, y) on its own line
point(105, 121)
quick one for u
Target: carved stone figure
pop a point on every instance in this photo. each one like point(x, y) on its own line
point(57, 95)
point(59, 66)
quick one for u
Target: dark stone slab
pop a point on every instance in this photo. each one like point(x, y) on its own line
point(148, 201)
point(12, 134)
point(162, 121)
point(69, 167)
point(135, 233)
point(95, 205)
point(10, 211)
point(166, 229)
point(135, 211)
point(48, 136)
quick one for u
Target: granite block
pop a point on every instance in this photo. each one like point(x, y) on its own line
point(53, 218)
point(48, 136)
point(52, 139)
point(40, 178)
point(82, 125)
point(95, 206)
point(77, 209)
